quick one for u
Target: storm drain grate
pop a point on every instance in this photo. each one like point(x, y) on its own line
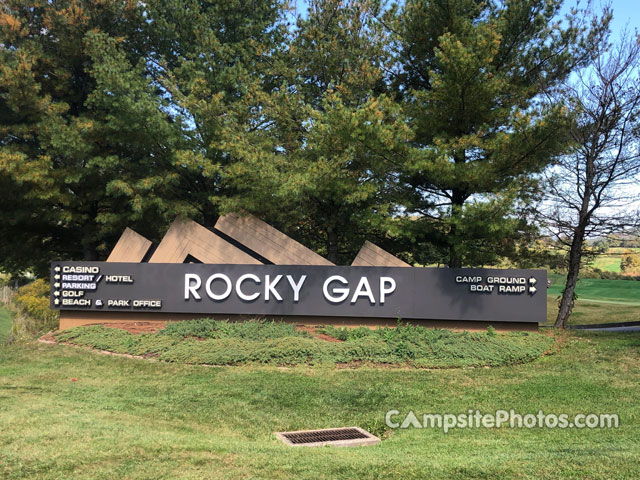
point(338, 437)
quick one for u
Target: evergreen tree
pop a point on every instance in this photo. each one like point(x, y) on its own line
point(471, 77)
point(84, 138)
point(214, 65)
point(113, 113)
point(314, 165)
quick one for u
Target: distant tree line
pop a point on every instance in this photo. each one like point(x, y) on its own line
point(425, 127)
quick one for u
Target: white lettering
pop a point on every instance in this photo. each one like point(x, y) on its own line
point(343, 292)
point(225, 279)
point(76, 302)
point(463, 279)
point(118, 279)
point(147, 304)
point(78, 286)
point(118, 303)
point(363, 290)
point(384, 290)
point(296, 286)
point(77, 278)
point(412, 420)
point(387, 419)
point(69, 269)
point(240, 293)
point(192, 289)
point(72, 293)
point(270, 287)
point(511, 288)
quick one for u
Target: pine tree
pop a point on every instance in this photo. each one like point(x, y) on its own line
point(472, 77)
point(114, 113)
point(84, 138)
point(315, 163)
point(214, 65)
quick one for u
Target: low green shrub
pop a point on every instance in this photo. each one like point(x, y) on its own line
point(251, 329)
point(32, 315)
point(605, 275)
point(266, 344)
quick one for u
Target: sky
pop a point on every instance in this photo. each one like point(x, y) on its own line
point(624, 12)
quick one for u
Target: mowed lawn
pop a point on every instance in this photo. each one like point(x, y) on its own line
point(608, 263)
point(599, 301)
point(140, 419)
point(595, 289)
point(587, 312)
point(611, 260)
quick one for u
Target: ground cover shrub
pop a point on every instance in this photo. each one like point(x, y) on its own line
point(596, 273)
point(251, 329)
point(31, 313)
point(258, 343)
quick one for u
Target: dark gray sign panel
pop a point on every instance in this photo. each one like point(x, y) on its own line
point(376, 292)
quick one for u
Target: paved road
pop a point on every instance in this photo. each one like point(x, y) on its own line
point(613, 329)
point(611, 302)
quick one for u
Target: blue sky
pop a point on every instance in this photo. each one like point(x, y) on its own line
point(624, 11)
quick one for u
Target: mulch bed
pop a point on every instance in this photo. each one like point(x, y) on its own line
point(152, 327)
point(312, 330)
point(137, 327)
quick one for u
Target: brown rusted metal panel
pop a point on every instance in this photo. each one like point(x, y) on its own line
point(131, 247)
point(186, 238)
point(371, 255)
point(267, 241)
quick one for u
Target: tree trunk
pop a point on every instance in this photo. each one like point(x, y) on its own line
point(209, 219)
point(455, 258)
point(89, 253)
point(455, 253)
point(332, 245)
point(567, 301)
point(575, 253)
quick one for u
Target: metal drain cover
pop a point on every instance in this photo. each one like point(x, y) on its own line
point(337, 437)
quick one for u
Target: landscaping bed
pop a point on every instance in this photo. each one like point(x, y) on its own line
point(215, 342)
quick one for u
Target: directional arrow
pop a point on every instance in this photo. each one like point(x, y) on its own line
point(532, 290)
point(533, 281)
point(56, 277)
point(57, 294)
point(56, 302)
point(56, 285)
point(57, 269)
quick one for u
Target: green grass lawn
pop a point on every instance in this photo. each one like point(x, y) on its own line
point(608, 263)
point(588, 312)
point(142, 419)
point(599, 301)
point(5, 324)
point(616, 291)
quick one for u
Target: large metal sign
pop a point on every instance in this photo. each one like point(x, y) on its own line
point(280, 290)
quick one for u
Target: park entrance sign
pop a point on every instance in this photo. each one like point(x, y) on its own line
point(244, 268)
point(301, 290)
